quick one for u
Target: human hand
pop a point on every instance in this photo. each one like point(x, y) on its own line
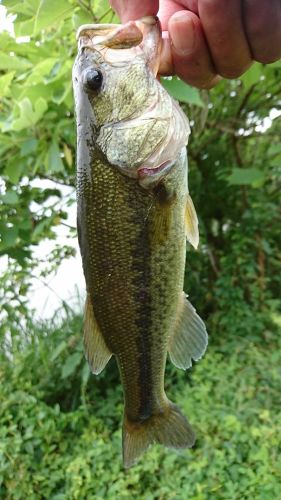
point(204, 40)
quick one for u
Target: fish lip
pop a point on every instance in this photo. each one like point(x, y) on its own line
point(149, 20)
point(94, 27)
point(115, 36)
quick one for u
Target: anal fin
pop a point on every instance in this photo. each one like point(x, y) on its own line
point(190, 339)
point(96, 350)
point(191, 223)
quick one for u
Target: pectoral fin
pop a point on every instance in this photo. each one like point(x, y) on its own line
point(191, 223)
point(96, 351)
point(190, 337)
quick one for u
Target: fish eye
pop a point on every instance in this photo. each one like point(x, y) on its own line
point(93, 79)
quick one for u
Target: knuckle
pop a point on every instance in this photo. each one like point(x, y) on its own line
point(203, 82)
point(267, 58)
point(233, 72)
point(210, 83)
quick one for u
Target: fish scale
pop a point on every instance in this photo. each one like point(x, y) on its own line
point(132, 229)
point(121, 264)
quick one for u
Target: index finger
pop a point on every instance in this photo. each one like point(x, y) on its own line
point(130, 10)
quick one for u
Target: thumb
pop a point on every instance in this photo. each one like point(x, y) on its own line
point(130, 10)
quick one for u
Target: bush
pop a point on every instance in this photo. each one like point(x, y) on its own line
point(60, 429)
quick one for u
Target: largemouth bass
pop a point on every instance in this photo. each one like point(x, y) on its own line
point(134, 215)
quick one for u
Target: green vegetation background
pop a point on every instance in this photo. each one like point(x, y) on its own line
point(60, 427)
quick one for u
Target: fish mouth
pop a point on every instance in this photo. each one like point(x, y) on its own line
point(111, 35)
point(144, 34)
point(112, 31)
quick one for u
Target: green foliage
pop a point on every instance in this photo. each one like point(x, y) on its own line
point(235, 160)
point(181, 91)
point(60, 429)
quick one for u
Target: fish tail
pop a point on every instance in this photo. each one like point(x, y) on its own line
point(170, 428)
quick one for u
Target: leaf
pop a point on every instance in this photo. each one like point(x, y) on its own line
point(29, 116)
point(70, 364)
point(274, 65)
point(25, 28)
point(274, 149)
point(11, 198)
point(34, 92)
point(14, 170)
point(60, 95)
point(40, 227)
point(9, 236)
point(8, 62)
point(252, 76)
point(246, 176)
point(28, 7)
point(54, 161)
point(25, 223)
point(29, 146)
point(24, 24)
point(41, 69)
point(59, 349)
point(50, 13)
point(5, 82)
point(181, 91)
point(86, 372)
point(79, 18)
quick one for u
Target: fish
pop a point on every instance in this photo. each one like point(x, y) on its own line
point(134, 216)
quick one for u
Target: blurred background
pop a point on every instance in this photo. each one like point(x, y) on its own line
point(60, 427)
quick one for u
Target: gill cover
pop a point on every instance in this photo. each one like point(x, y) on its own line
point(137, 125)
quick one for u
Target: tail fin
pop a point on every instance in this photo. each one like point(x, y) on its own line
point(169, 428)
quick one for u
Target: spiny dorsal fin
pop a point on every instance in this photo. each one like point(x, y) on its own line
point(96, 351)
point(191, 223)
point(190, 339)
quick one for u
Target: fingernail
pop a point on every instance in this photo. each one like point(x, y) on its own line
point(182, 34)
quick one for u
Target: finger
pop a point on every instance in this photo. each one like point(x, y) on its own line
point(263, 29)
point(224, 31)
point(166, 67)
point(190, 54)
point(169, 7)
point(129, 10)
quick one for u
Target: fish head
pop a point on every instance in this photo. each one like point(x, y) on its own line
point(120, 104)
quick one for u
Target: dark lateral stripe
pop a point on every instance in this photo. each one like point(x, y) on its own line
point(141, 271)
